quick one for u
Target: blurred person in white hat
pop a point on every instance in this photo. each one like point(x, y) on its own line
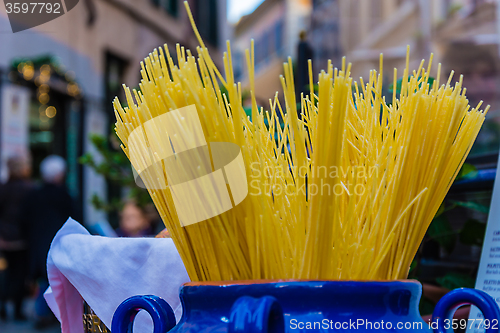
point(50, 205)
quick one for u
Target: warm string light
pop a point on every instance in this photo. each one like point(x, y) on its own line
point(352, 196)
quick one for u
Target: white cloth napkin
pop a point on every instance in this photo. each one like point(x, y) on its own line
point(106, 271)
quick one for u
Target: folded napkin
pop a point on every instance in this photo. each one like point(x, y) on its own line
point(106, 271)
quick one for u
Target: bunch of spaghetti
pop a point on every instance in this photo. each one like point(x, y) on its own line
point(342, 188)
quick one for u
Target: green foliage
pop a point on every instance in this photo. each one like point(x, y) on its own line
point(39, 61)
point(453, 280)
point(114, 164)
point(467, 171)
point(440, 228)
point(470, 205)
point(245, 94)
point(441, 231)
point(115, 167)
point(413, 268)
point(473, 233)
point(426, 306)
point(399, 83)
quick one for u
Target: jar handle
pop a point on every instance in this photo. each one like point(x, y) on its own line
point(159, 310)
point(256, 315)
point(450, 302)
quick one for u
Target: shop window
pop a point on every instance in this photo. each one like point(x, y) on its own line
point(206, 15)
point(170, 6)
point(278, 28)
point(115, 68)
point(238, 64)
point(53, 114)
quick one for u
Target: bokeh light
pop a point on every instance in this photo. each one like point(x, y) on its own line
point(28, 71)
point(44, 88)
point(43, 98)
point(73, 89)
point(50, 112)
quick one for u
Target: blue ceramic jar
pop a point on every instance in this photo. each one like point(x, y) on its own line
point(302, 306)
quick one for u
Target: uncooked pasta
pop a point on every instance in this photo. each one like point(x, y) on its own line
point(342, 185)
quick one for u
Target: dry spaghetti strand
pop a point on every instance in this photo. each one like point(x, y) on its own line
point(343, 187)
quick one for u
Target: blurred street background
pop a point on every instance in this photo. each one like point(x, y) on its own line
point(57, 82)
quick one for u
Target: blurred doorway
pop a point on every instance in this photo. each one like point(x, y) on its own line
point(54, 117)
point(115, 68)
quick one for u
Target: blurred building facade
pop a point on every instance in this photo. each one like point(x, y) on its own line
point(462, 34)
point(275, 27)
point(362, 29)
point(57, 80)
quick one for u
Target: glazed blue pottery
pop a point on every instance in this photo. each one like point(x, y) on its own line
point(302, 306)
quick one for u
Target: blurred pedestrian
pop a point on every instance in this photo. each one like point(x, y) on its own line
point(47, 209)
point(134, 221)
point(12, 239)
point(304, 54)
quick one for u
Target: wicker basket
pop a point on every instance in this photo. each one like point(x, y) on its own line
point(92, 323)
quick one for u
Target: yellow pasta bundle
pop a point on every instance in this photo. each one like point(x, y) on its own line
point(343, 188)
